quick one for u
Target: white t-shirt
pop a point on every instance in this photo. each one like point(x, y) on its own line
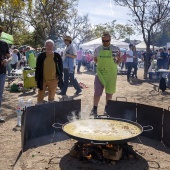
point(14, 58)
point(130, 53)
point(114, 49)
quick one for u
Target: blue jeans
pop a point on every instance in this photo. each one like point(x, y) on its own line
point(129, 68)
point(168, 82)
point(79, 64)
point(69, 63)
point(2, 83)
point(8, 69)
point(67, 75)
point(135, 66)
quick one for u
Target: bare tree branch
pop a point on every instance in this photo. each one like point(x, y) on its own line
point(148, 14)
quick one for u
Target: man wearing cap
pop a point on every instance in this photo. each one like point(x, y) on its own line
point(107, 57)
point(4, 59)
point(69, 56)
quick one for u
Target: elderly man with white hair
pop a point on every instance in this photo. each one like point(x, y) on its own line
point(49, 69)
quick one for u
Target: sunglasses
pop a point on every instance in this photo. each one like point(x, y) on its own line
point(66, 40)
point(105, 41)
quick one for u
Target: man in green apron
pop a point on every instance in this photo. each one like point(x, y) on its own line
point(107, 57)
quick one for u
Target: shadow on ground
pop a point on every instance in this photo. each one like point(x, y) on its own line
point(71, 163)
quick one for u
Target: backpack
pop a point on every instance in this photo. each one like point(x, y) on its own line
point(162, 84)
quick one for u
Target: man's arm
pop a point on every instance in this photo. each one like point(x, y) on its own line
point(128, 54)
point(8, 55)
point(9, 58)
point(119, 58)
point(95, 56)
point(27, 55)
point(71, 55)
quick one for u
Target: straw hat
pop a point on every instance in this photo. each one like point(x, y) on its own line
point(106, 33)
point(15, 51)
point(67, 37)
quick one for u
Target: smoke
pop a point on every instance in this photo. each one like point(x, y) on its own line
point(83, 115)
point(72, 117)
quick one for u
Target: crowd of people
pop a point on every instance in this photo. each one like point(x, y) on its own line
point(53, 69)
point(22, 57)
point(85, 58)
point(158, 59)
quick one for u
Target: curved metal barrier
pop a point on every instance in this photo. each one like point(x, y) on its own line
point(37, 130)
point(159, 118)
point(37, 122)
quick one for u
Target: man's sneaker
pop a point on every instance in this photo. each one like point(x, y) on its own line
point(61, 93)
point(93, 112)
point(78, 72)
point(78, 91)
point(2, 120)
point(128, 80)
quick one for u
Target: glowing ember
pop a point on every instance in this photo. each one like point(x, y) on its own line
point(102, 153)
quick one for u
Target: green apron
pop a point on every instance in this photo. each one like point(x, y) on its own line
point(32, 60)
point(107, 70)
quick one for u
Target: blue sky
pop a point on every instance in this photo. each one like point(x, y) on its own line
point(102, 11)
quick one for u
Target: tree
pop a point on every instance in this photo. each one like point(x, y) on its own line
point(9, 16)
point(10, 19)
point(122, 31)
point(162, 36)
point(147, 14)
point(118, 31)
point(24, 38)
point(80, 30)
point(52, 18)
point(16, 3)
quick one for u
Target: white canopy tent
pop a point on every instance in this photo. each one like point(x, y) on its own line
point(95, 43)
point(142, 46)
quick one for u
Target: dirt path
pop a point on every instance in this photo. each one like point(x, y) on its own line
point(56, 155)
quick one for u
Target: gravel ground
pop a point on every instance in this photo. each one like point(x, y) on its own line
point(153, 154)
